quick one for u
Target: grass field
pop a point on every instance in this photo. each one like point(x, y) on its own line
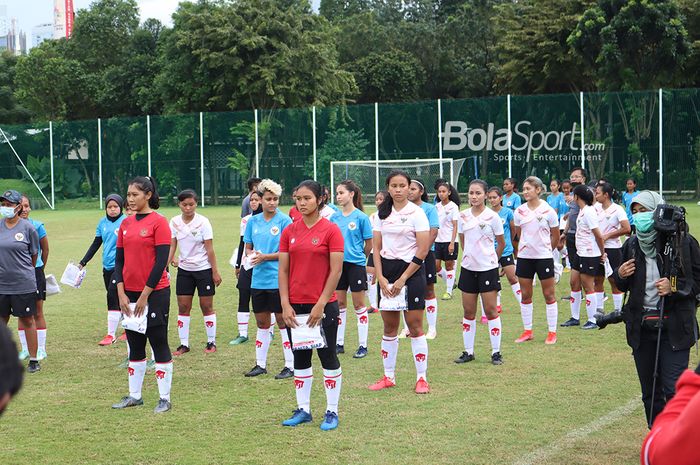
point(577, 402)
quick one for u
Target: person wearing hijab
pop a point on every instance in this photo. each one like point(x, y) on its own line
point(106, 236)
point(641, 275)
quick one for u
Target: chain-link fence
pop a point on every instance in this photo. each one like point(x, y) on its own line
point(653, 136)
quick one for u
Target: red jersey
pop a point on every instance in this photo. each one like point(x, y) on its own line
point(139, 240)
point(309, 258)
point(295, 214)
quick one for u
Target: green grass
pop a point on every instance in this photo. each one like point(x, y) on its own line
point(476, 413)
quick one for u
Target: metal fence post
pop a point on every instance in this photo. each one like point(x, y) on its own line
point(583, 152)
point(439, 121)
point(99, 157)
point(376, 145)
point(510, 141)
point(661, 142)
point(53, 188)
point(313, 141)
point(148, 142)
point(257, 155)
point(201, 153)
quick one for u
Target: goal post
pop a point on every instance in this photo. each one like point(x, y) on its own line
point(369, 175)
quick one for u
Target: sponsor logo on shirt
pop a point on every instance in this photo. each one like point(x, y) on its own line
point(19, 236)
point(352, 226)
point(274, 230)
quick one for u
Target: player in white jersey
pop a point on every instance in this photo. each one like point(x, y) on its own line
point(401, 242)
point(613, 225)
point(591, 251)
point(446, 249)
point(479, 228)
point(537, 225)
point(372, 286)
point(196, 269)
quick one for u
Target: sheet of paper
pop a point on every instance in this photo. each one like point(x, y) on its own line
point(304, 337)
point(398, 303)
point(134, 323)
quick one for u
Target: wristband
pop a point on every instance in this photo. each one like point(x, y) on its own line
point(417, 261)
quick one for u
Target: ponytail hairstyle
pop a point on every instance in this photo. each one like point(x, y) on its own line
point(514, 182)
point(350, 186)
point(147, 184)
point(535, 182)
point(454, 195)
point(384, 209)
point(317, 189)
point(421, 184)
point(607, 188)
point(584, 193)
point(187, 194)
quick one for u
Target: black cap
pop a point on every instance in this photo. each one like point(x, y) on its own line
point(12, 196)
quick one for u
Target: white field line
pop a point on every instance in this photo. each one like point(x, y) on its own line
point(577, 434)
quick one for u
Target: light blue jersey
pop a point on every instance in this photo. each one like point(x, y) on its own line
point(356, 228)
point(108, 231)
point(512, 201)
point(627, 200)
point(41, 232)
point(433, 219)
point(265, 237)
point(506, 217)
point(556, 202)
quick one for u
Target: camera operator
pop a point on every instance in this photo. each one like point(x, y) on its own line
point(645, 273)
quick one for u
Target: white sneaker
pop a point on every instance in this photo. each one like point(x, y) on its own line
point(432, 334)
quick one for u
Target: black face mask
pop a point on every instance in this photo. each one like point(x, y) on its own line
point(574, 184)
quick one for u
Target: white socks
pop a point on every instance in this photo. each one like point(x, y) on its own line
point(183, 329)
point(164, 377)
point(450, 281)
point(113, 317)
point(243, 318)
point(262, 345)
point(371, 291)
point(526, 314)
point(210, 327)
point(23, 339)
point(431, 307)
point(552, 315)
point(332, 382)
point(390, 347)
point(340, 339)
point(443, 274)
point(287, 350)
point(468, 334)
point(576, 305)
point(136, 370)
point(591, 305)
point(617, 300)
point(362, 325)
point(420, 356)
point(303, 379)
point(273, 322)
point(41, 339)
point(495, 334)
point(516, 291)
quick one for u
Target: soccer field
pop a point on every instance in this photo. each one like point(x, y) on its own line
point(576, 402)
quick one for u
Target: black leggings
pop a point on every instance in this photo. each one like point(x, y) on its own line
point(157, 336)
point(327, 356)
point(243, 286)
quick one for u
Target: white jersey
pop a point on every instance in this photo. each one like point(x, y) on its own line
point(610, 220)
point(399, 232)
point(372, 218)
point(480, 233)
point(587, 221)
point(327, 212)
point(446, 215)
point(535, 230)
point(244, 223)
point(190, 239)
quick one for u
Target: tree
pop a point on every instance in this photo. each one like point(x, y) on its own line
point(632, 45)
point(11, 112)
point(393, 76)
point(340, 144)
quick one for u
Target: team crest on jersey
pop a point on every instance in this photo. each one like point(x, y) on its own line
point(482, 225)
point(274, 230)
point(314, 240)
point(116, 232)
point(143, 232)
point(352, 226)
point(403, 219)
point(19, 237)
point(539, 218)
point(503, 221)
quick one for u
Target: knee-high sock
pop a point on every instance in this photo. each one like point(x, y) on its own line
point(332, 382)
point(468, 334)
point(495, 334)
point(390, 348)
point(183, 329)
point(210, 327)
point(516, 291)
point(262, 345)
point(371, 291)
point(600, 304)
point(303, 379)
point(526, 314)
point(287, 350)
point(243, 318)
point(450, 281)
point(113, 317)
point(443, 274)
point(41, 339)
point(362, 325)
point(498, 301)
point(137, 370)
point(420, 356)
point(591, 304)
point(273, 322)
point(617, 300)
point(340, 338)
point(576, 305)
point(164, 377)
point(552, 315)
point(431, 312)
point(23, 339)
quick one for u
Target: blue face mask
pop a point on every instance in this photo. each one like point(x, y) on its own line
point(7, 212)
point(644, 221)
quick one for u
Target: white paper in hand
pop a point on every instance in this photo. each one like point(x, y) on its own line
point(136, 323)
point(247, 263)
point(304, 337)
point(398, 303)
point(73, 276)
point(233, 261)
point(608, 268)
point(52, 286)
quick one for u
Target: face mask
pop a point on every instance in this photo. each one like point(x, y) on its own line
point(7, 212)
point(644, 221)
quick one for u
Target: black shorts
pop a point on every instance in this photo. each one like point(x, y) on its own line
point(506, 261)
point(188, 281)
point(571, 250)
point(40, 283)
point(442, 253)
point(111, 288)
point(158, 306)
point(354, 277)
point(415, 286)
point(476, 282)
point(245, 278)
point(370, 260)
point(591, 266)
point(331, 312)
point(528, 267)
point(614, 257)
point(19, 305)
point(266, 301)
point(430, 268)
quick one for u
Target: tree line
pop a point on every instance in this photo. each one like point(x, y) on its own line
point(236, 55)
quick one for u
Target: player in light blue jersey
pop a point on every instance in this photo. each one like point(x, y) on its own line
point(357, 234)
point(506, 261)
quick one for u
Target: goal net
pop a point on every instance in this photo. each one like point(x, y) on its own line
point(371, 175)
